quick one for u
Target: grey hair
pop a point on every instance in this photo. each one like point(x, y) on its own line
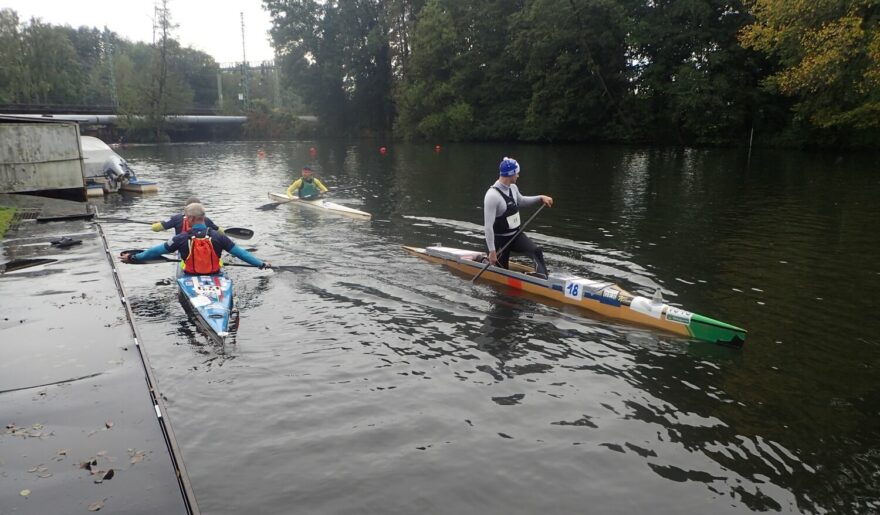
point(192, 200)
point(194, 210)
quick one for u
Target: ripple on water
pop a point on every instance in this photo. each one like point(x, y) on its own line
point(386, 384)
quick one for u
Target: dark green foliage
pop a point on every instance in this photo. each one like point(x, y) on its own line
point(338, 55)
point(574, 60)
point(657, 71)
point(696, 84)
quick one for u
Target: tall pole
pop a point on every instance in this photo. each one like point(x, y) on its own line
point(751, 135)
point(244, 67)
point(276, 86)
point(219, 89)
point(108, 48)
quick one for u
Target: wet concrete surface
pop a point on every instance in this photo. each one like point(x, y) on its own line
point(76, 395)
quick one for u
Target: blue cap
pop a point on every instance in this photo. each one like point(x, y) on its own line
point(508, 167)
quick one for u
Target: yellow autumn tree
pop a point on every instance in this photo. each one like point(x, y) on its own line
point(829, 52)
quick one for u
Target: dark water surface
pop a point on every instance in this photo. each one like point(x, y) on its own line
point(386, 384)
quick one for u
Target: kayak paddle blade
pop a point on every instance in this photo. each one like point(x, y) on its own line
point(239, 233)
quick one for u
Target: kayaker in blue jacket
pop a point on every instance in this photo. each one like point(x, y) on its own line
point(501, 218)
point(200, 248)
point(307, 187)
point(178, 221)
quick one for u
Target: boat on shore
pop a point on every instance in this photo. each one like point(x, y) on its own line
point(602, 297)
point(321, 205)
point(209, 299)
point(105, 171)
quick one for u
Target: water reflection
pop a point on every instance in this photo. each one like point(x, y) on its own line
point(359, 364)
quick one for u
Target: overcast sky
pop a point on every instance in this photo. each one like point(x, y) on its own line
point(212, 26)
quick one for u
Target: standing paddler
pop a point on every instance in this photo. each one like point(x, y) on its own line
point(501, 218)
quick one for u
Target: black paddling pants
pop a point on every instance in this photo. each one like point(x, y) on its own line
point(521, 245)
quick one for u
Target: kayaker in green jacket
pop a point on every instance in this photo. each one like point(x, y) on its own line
point(306, 187)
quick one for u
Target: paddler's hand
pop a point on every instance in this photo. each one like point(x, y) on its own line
point(157, 227)
point(127, 257)
point(265, 265)
point(493, 257)
point(548, 201)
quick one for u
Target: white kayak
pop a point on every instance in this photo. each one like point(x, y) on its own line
point(322, 205)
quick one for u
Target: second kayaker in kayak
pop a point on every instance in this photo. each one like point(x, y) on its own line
point(179, 223)
point(501, 218)
point(200, 248)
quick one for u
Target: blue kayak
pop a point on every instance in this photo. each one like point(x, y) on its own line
point(210, 299)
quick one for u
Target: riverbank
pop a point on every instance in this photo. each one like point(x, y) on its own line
point(80, 428)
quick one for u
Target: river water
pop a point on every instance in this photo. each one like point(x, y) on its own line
point(385, 384)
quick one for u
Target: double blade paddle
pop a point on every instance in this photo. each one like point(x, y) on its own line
point(122, 221)
point(236, 232)
point(279, 268)
point(521, 228)
point(62, 218)
point(167, 259)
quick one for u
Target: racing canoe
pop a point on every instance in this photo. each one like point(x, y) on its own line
point(601, 297)
point(209, 298)
point(321, 205)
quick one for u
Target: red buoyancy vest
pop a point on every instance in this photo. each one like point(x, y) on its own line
point(202, 258)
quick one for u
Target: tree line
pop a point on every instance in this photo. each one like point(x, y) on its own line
point(684, 72)
point(49, 65)
point(659, 71)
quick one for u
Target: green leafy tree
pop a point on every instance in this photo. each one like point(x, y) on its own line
point(198, 71)
point(55, 72)
point(573, 56)
point(694, 82)
point(338, 55)
point(461, 82)
point(829, 52)
point(88, 43)
point(430, 105)
point(13, 81)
